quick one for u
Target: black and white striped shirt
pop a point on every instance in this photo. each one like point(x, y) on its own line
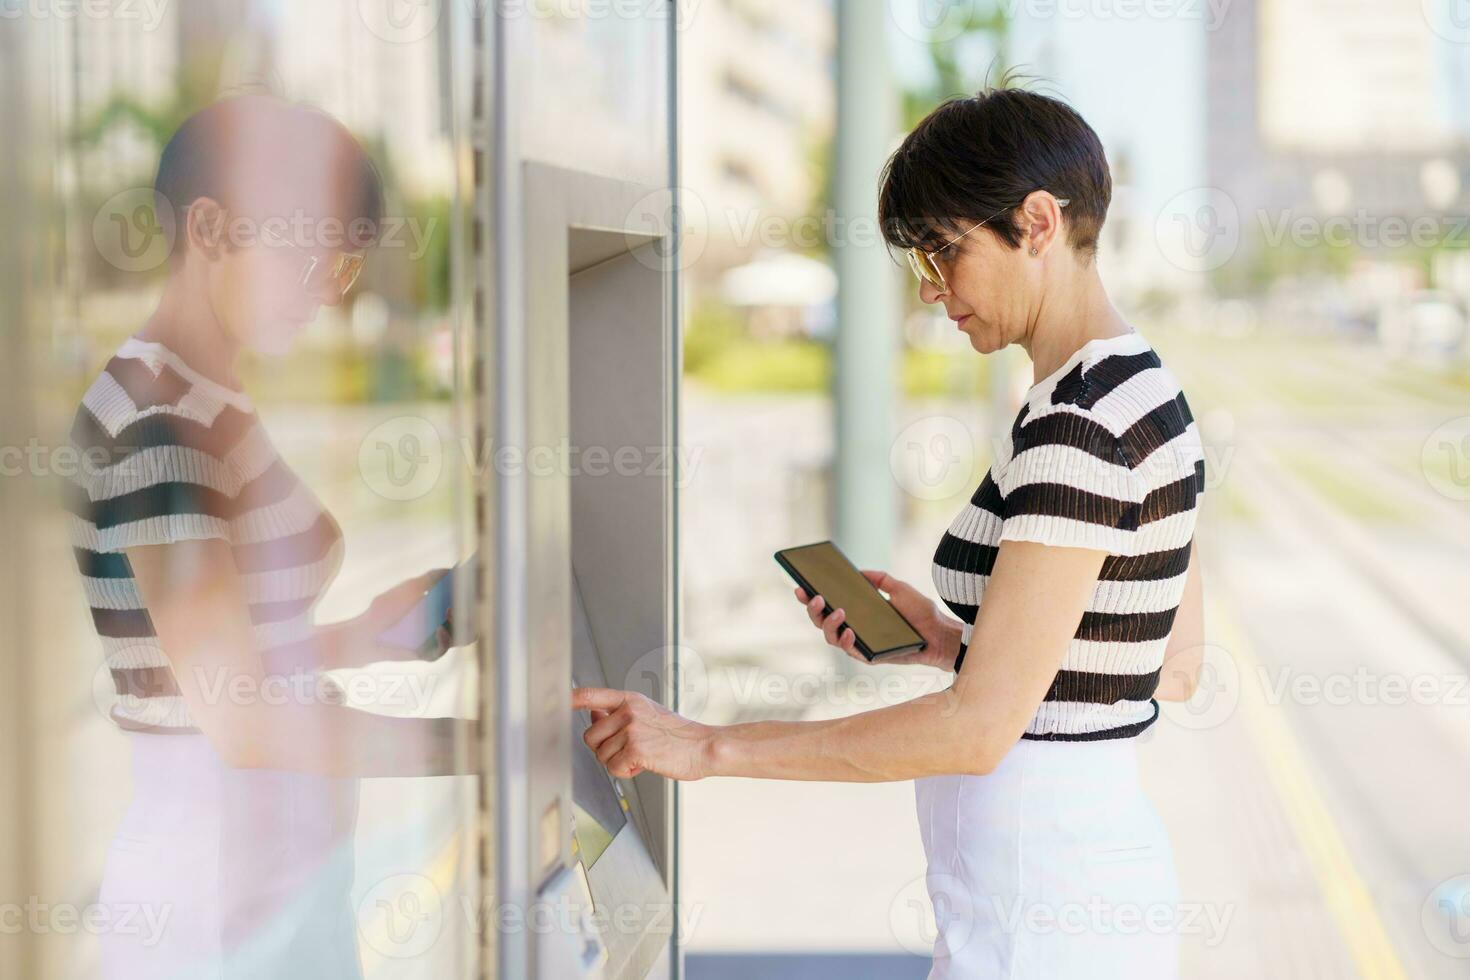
point(170, 455)
point(1104, 453)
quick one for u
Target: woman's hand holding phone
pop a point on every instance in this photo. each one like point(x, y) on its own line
point(357, 642)
point(391, 606)
point(941, 633)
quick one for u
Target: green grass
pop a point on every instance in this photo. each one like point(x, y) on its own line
point(745, 365)
point(784, 365)
point(927, 372)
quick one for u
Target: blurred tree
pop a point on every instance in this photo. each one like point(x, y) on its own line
point(408, 278)
point(955, 62)
point(957, 65)
point(1265, 263)
point(712, 329)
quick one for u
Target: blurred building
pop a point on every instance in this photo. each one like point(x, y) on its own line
point(1138, 81)
point(1343, 110)
point(389, 88)
point(132, 80)
point(1347, 76)
point(115, 55)
point(758, 106)
point(392, 90)
point(112, 58)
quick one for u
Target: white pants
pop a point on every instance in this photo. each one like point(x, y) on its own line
point(1053, 866)
point(229, 873)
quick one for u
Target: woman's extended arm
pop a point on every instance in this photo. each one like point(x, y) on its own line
point(354, 642)
point(1034, 600)
point(1185, 653)
point(196, 601)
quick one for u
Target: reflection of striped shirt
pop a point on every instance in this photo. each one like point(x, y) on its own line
point(170, 455)
point(1103, 454)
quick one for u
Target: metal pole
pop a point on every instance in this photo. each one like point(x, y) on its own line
point(867, 299)
point(22, 54)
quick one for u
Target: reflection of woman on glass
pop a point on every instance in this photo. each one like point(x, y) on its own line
point(1072, 571)
point(203, 556)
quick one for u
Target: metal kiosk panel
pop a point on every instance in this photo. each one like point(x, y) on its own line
point(587, 384)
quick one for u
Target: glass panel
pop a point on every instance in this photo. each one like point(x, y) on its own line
point(247, 466)
point(600, 71)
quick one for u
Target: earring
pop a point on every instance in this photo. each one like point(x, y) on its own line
point(1033, 249)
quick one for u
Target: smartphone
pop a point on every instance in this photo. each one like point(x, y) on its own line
point(822, 569)
point(418, 630)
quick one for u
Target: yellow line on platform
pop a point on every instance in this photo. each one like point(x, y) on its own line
point(1343, 890)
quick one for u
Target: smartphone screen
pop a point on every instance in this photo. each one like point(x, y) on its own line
point(823, 570)
point(414, 631)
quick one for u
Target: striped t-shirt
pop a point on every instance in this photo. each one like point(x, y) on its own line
point(170, 455)
point(1104, 453)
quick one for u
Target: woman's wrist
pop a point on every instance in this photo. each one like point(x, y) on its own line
point(951, 630)
point(715, 758)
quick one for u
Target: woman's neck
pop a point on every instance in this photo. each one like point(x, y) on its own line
point(185, 323)
point(1069, 316)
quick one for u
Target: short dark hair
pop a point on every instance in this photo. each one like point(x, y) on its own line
point(974, 156)
point(260, 152)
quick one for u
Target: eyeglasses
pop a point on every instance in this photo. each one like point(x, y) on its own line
point(927, 270)
point(341, 271)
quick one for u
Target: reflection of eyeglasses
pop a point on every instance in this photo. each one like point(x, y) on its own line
point(341, 271)
point(927, 270)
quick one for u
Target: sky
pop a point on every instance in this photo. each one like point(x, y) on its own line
point(1138, 81)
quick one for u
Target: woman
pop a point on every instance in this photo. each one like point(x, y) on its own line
point(203, 555)
point(1072, 573)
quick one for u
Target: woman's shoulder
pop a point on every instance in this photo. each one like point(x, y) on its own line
point(1116, 419)
point(1124, 391)
point(160, 457)
point(139, 400)
point(150, 439)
